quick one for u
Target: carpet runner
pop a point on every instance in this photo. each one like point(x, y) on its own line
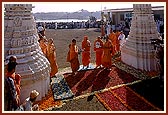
point(89, 81)
point(60, 88)
point(124, 99)
point(109, 86)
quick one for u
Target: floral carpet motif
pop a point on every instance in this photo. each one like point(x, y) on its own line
point(60, 88)
point(89, 81)
point(124, 99)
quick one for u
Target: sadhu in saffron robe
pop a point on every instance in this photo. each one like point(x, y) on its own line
point(107, 54)
point(86, 51)
point(114, 41)
point(72, 57)
point(43, 46)
point(98, 48)
point(51, 56)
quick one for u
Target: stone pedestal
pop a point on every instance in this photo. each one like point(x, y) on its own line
point(21, 40)
point(138, 51)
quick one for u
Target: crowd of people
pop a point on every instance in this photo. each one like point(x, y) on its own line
point(69, 25)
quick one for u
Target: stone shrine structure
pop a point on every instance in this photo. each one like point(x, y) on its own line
point(138, 50)
point(21, 40)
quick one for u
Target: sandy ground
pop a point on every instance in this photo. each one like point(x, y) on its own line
point(62, 38)
point(83, 104)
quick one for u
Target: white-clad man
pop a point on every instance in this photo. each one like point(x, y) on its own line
point(121, 38)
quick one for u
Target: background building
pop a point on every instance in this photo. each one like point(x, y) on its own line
point(119, 16)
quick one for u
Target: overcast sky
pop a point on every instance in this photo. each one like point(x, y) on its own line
point(90, 6)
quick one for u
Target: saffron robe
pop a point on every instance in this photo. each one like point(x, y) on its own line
point(51, 56)
point(86, 52)
point(107, 54)
point(43, 47)
point(114, 40)
point(98, 48)
point(73, 57)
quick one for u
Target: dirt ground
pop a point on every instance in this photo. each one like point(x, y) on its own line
point(62, 38)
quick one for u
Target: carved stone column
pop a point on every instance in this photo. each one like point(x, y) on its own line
point(138, 50)
point(21, 40)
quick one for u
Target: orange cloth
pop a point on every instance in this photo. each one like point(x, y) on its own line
point(98, 48)
point(43, 47)
point(86, 51)
point(73, 57)
point(51, 56)
point(68, 55)
point(117, 42)
point(107, 54)
point(114, 40)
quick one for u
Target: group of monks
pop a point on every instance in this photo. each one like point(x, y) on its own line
point(104, 51)
point(72, 55)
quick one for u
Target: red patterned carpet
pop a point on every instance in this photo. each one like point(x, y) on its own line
point(136, 96)
point(124, 99)
point(94, 80)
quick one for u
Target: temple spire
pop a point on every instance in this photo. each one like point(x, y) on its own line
point(138, 50)
point(21, 40)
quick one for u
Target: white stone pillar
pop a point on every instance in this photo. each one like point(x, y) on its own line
point(138, 50)
point(21, 40)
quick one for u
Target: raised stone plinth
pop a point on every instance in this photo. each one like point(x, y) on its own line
point(138, 51)
point(21, 40)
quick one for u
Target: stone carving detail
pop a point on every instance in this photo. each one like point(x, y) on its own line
point(17, 21)
point(21, 40)
point(138, 50)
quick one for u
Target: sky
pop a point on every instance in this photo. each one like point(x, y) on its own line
point(90, 6)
